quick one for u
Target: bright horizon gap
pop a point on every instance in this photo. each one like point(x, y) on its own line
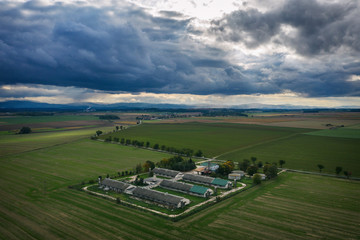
point(70, 95)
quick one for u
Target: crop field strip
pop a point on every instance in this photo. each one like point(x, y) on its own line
point(212, 138)
point(304, 152)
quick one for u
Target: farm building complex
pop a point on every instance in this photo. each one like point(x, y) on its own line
point(165, 199)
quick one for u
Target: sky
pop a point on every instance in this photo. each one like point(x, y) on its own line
point(215, 53)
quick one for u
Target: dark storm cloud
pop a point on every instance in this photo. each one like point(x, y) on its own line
point(124, 48)
point(320, 28)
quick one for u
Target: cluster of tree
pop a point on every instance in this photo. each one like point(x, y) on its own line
point(34, 114)
point(139, 181)
point(223, 112)
point(226, 168)
point(148, 165)
point(108, 117)
point(25, 130)
point(270, 170)
point(177, 163)
point(117, 128)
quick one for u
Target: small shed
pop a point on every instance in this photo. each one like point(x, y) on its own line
point(234, 176)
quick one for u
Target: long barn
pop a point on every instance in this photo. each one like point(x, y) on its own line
point(166, 172)
point(218, 182)
point(165, 199)
point(114, 185)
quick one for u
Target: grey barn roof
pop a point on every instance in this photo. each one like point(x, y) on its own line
point(176, 185)
point(198, 178)
point(166, 172)
point(115, 184)
point(157, 196)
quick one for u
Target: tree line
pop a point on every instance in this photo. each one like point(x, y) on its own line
point(129, 142)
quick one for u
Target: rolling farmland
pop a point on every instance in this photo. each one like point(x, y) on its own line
point(37, 169)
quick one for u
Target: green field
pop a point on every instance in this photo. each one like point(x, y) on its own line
point(45, 119)
point(16, 143)
point(213, 139)
point(305, 152)
point(269, 144)
point(36, 203)
point(339, 132)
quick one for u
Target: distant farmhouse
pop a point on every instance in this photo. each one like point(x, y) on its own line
point(186, 188)
point(217, 182)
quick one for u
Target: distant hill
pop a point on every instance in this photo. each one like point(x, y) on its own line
point(33, 106)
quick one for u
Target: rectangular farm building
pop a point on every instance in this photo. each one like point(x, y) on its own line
point(114, 185)
point(165, 199)
point(186, 188)
point(218, 182)
point(165, 172)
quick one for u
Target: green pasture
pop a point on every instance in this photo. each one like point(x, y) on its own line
point(45, 119)
point(338, 132)
point(305, 152)
point(212, 138)
point(36, 170)
point(36, 202)
point(16, 143)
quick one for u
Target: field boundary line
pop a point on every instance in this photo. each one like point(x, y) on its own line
point(257, 144)
point(321, 174)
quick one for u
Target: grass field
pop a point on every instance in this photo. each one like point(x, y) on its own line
point(305, 152)
point(11, 143)
point(212, 138)
point(269, 144)
point(45, 119)
point(339, 132)
point(295, 206)
point(36, 203)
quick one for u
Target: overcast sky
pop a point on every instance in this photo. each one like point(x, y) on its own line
point(213, 53)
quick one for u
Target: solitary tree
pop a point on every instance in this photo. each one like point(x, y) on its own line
point(251, 170)
point(347, 174)
point(260, 164)
point(281, 162)
point(253, 159)
point(257, 179)
point(99, 132)
point(244, 165)
point(117, 128)
point(25, 130)
point(320, 166)
point(199, 153)
point(338, 170)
